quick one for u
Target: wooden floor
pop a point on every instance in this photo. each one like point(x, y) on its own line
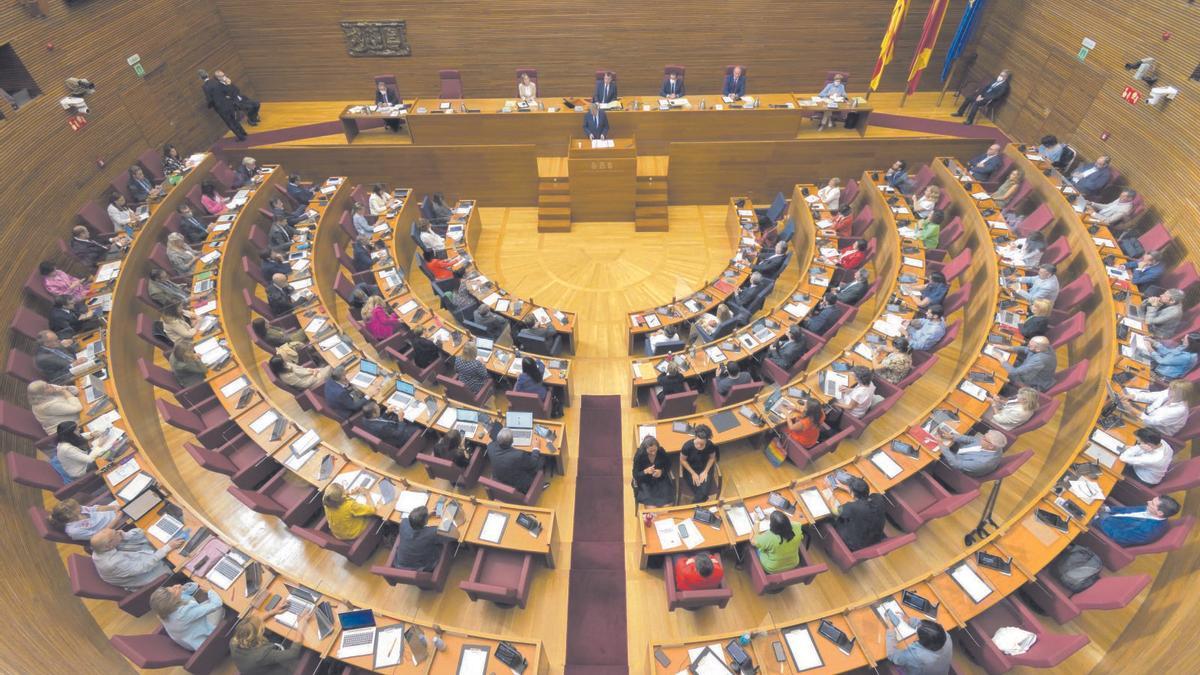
point(285, 114)
point(602, 271)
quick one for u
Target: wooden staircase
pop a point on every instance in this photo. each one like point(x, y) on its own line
point(554, 195)
point(651, 198)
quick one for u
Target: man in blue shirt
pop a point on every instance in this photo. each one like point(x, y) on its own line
point(923, 334)
point(931, 654)
point(1172, 363)
point(1044, 285)
point(735, 84)
point(1137, 525)
point(933, 291)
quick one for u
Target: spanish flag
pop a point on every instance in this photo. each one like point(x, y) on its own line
point(889, 41)
point(929, 36)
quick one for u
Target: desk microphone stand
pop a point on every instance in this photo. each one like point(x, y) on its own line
point(985, 519)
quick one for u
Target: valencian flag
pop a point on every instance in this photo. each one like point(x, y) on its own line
point(929, 35)
point(963, 34)
point(889, 41)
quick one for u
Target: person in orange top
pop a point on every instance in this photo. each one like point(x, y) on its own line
point(440, 269)
point(805, 427)
point(699, 572)
point(843, 223)
point(852, 257)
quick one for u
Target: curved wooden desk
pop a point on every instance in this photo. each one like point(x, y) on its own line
point(132, 393)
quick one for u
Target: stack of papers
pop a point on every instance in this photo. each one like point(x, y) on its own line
point(886, 464)
point(815, 503)
point(668, 534)
point(903, 631)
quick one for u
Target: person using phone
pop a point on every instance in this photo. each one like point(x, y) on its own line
point(804, 426)
point(860, 522)
point(254, 654)
point(652, 474)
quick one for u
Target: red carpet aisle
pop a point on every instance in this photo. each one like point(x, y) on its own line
point(596, 643)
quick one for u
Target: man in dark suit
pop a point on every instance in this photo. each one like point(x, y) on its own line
point(852, 292)
point(860, 522)
point(735, 84)
point(995, 90)
point(672, 87)
point(491, 321)
point(595, 123)
point(273, 263)
point(606, 89)
point(748, 298)
point(513, 467)
point(1091, 178)
point(91, 252)
point(67, 321)
point(385, 97)
point(386, 425)
point(279, 296)
point(279, 237)
point(772, 265)
point(423, 351)
point(786, 353)
point(823, 316)
point(340, 396)
point(245, 172)
point(361, 252)
point(54, 357)
point(279, 210)
point(234, 96)
point(215, 97)
point(731, 376)
point(190, 226)
point(300, 194)
point(984, 166)
point(417, 544)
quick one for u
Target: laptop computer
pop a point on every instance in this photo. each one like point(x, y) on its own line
point(165, 527)
point(367, 372)
point(358, 633)
point(227, 570)
point(483, 346)
point(299, 601)
point(403, 395)
point(521, 426)
point(467, 422)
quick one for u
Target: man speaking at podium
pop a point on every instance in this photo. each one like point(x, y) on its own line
point(595, 123)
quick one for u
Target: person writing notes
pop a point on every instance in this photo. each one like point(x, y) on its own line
point(606, 89)
point(672, 87)
point(527, 90)
point(387, 98)
point(595, 123)
point(735, 84)
point(833, 91)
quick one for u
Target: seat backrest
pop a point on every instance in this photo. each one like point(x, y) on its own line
point(28, 323)
point(531, 72)
point(950, 336)
point(179, 417)
point(1035, 221)
point(1056, 252)
point(1066, 331)
point(922, 179)
point(1183, 276)
point(681, 403)
point(20, 421)
point(678, 70)
point(1074, 293)
point(94, 216)
point(157, 375)
point(1155, 238)
point(778, 206)
point(850, 192)
point(952, 302)
point(1070, 377)
point(21, 366)
point(451, 83)
point(32, 472)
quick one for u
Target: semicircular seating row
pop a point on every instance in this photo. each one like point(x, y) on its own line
point(979, 599)
point(134, 465)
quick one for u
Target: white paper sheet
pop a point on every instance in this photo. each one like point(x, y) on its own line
point(264, 421)
point(668, 535)
point(886, 464)
point(971, 582)
point(804, 651)
point(493, 527)
point(815, 503)
point(693, 538)
point(903, 631)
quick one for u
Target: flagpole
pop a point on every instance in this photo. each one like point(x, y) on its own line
point(953, 72)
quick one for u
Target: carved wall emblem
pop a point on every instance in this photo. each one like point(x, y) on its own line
point(376, 38)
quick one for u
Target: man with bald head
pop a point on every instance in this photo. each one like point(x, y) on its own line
point(128, 559)
point(279, 295)
point(985, 166)
point(1036, 370)
point(511, 466)
point(976, 455)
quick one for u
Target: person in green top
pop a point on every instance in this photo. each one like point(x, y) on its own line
point(929, 230)
point(779, 547)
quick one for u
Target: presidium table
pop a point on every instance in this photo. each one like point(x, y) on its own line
point(646, 125)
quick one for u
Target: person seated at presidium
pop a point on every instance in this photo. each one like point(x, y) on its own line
point(187, 621)
point(1050, 148)
point(984, 166)
point(606, 89)
point(698, 464)
point(652, 474)
point(672, 86)
point(833, 91)
point(527, 90)
point(735, 84)
point(386, 97)
point(512, 466)
point(995, 90)
point(345, 516)
point(699, 572)
point(1137, 525)
point(595, 123)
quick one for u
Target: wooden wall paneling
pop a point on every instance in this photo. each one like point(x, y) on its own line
point(498, 175)
point(49, 172)
point(707, 173)
point(295, 50)
point(1154, 148)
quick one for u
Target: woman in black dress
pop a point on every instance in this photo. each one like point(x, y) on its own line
point(699, 457)
point(652, 474)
